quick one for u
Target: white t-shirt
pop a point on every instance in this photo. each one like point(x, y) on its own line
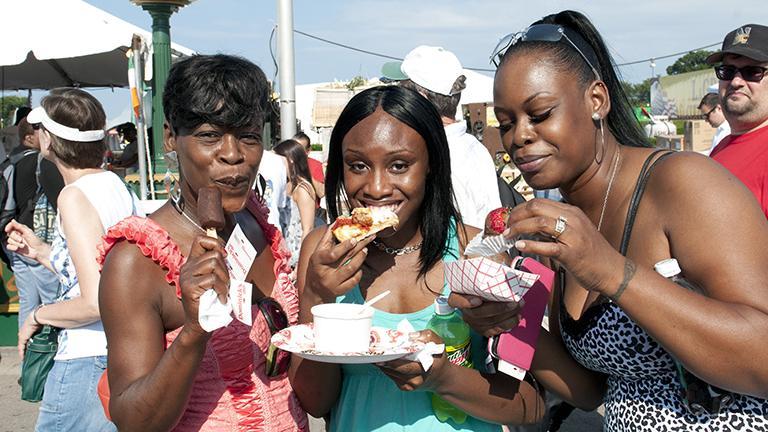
point(273, 169)
point(721, 132)
point(473, 175)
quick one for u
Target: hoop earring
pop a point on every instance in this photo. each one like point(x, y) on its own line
point(602, 143)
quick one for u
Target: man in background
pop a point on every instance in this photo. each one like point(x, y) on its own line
point(743, 92)
point(438, 75)
point(713, 113)
point(36, 182)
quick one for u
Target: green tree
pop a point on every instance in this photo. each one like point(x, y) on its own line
point(693, 61)
point(8, 106)
point(640, 93)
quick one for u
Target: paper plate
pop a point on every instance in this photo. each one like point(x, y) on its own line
point(386, 345)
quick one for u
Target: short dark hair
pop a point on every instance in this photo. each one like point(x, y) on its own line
point(222, 90)
point(711, 100)
point(25, 129)
point(302, 136)
point(297, 160)
point(445, 105)
point(80, 110)
point(438, 211)
point(621, 119)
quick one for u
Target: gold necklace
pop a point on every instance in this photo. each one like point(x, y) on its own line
point(616, 163)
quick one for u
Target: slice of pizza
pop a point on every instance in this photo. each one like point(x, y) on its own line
point(363, 222)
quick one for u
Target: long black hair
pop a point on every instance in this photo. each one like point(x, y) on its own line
point(621, 120)
point(437, 210)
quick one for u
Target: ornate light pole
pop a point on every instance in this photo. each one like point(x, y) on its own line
point(161, 11)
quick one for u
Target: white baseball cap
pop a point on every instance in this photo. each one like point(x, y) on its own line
point(433, 68)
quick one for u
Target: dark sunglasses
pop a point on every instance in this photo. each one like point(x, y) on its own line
point(706, 115)
point(36, 126)
point(274, 315)
point(752, 73)
point(538, 32)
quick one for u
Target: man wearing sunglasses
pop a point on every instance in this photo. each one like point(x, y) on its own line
point(712, 113)
point(743, 95)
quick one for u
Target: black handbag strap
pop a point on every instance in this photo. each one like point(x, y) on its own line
point(637, 195)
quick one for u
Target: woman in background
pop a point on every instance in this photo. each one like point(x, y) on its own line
point(303, 195)
point(72, 137)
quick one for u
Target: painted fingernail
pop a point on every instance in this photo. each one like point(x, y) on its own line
point(519, 244)
point(365, 250)
point(353, 241)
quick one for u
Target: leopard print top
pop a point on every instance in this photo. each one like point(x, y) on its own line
point(643, 391)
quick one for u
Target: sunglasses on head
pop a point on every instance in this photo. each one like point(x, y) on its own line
point(277, 359)
point(538, 32)
point(752, 73)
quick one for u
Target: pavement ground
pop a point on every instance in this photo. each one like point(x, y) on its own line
point(20, 416)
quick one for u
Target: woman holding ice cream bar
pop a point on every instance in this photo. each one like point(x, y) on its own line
point(165, 371)
point(388, 153)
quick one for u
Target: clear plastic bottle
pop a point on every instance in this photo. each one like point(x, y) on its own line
point(449, 325)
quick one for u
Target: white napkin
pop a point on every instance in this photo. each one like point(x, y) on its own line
point(212, 314)
point(423, 356)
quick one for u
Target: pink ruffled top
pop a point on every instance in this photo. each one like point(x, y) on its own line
point(231, 391)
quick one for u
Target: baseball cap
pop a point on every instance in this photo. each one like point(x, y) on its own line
point(433, 68)
point(749, 40)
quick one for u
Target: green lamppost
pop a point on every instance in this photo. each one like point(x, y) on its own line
point(161, 11)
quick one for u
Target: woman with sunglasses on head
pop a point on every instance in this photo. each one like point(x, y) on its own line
point(71, 135)
point(388, 149)
point(567, 124)
point(165, 371)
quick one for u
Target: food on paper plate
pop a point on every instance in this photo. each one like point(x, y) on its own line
point(363, 222)
point(496, 221)
point(210, 211)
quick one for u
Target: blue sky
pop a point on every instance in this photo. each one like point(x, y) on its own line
point(635, 30)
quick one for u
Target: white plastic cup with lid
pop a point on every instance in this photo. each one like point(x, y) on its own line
point(342, 327)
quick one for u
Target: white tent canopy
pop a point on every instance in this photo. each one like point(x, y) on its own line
point(71, 43)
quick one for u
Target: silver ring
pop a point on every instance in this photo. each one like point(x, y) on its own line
point(560, 226)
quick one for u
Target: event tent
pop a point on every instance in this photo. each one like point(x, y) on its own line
point(54, 43)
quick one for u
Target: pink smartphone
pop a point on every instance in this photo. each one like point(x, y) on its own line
point(515, 348)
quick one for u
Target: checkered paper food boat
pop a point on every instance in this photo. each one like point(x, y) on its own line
point(488, 279)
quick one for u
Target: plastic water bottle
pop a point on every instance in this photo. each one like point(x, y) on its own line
point(449, 325)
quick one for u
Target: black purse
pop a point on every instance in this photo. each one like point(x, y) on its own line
point(38, 361)
point(699, 396)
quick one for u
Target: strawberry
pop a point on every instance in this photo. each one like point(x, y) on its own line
point(496, 221)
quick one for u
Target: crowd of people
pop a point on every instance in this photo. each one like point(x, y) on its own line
point(659, 353)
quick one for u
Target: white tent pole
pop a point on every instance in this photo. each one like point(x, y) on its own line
point(286, 69)
point(140, 131)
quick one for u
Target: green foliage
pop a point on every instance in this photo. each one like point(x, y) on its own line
point(693, 61)
point(638, 94)
point(9, 105)
point(317, 147)
point(356, 82)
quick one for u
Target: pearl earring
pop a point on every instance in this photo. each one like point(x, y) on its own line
point(595, 116)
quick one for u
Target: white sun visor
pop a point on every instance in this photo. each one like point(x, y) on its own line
point(38, 115)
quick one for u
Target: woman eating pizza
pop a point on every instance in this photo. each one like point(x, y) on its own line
point(388, 154)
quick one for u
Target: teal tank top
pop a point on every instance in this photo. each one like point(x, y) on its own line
point(370, 401)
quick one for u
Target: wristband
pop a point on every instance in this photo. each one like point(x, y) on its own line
point(34, 314)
